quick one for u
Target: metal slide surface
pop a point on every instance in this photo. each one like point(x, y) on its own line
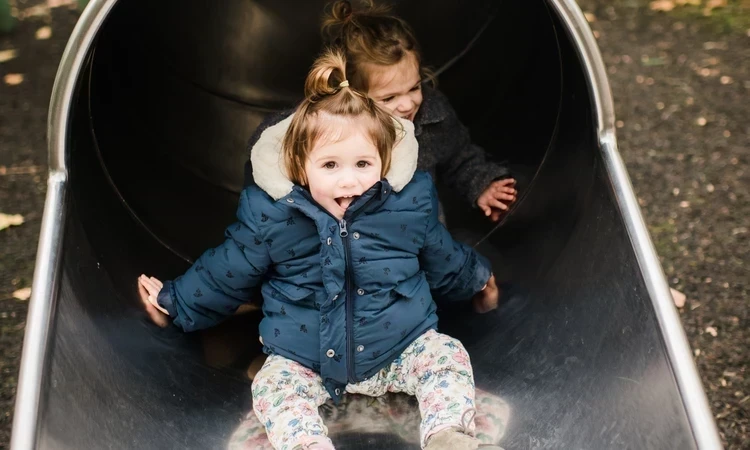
point(577, 354)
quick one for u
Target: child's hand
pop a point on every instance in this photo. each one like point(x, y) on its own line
point(497, 198)
point(486, 300)
point(148, 288)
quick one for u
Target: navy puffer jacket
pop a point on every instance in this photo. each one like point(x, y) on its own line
point(344, 298)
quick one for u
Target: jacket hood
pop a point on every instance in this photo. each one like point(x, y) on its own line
point(268, 164)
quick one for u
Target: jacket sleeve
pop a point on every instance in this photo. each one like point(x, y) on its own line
point(222, 279)
point(455, 272)
point(465, 168)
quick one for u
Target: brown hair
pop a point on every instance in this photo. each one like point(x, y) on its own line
point(370, 35)
point(326, 100)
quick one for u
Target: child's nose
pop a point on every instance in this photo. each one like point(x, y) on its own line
point(347, 180)
point(404, 104)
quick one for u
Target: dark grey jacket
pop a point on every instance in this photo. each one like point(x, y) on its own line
point(445, 148)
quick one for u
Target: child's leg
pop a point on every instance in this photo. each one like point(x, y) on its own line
point(286, 398)
point(436, 369)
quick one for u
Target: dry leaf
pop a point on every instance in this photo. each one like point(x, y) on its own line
point(712, 331)
point(713, 4)
point(34, 11)
point(22, 294)
point(688, 2)
point(590, 17)
point(7, 220)
point(43, 33)
point(13, 79)
point(57, 3)
point(678, 297)
point(662, 5)
point(7, 55)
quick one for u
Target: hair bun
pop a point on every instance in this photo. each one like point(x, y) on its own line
point(342, 10)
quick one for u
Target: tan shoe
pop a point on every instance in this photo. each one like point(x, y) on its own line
point(453, 439)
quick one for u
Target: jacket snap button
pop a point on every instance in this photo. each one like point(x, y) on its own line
point(361, 291)
point(328, 241)
point(337, 391)
point(335, 297)
point(290, 200)
point(330, 353)
point(356, 235)
point(360, 348)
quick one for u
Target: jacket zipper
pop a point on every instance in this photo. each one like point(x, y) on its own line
point(344, 233)
point(349, 303)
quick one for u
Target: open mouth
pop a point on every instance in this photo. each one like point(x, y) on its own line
point(345, 201)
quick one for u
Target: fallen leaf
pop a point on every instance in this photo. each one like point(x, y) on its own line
point(678, 297)
point(13, 79)
point(7, 55)
point(712, 331)
point(662, 5)
point(43, 33)
point(590, 17)
point(57, 3)
point(688, 2)
point(20, 170)
point(22, 294)
point(7, 220)
point(34, 11)
point(713, 4)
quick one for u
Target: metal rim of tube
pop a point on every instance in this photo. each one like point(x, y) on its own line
point(47, 264)
point(46, 271)
point(689, 383)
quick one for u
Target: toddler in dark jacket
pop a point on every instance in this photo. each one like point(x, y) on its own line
point(342, 234)
point(384, 61)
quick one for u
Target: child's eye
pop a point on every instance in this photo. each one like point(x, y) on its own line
point(330, 165)
point(387, 99)
point(362, 164)
point(416, 88)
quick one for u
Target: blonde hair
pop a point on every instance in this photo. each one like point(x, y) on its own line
point(328, 97)
point(370, 35)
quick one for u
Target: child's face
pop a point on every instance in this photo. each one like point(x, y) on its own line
point(342, 168)
point(397, 88)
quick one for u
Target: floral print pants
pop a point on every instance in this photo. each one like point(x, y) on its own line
point(435, 368)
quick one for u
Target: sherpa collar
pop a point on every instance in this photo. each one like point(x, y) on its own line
point(268, 164)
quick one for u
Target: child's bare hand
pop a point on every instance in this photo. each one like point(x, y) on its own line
point(148, 288)
point(497, 198)
point(486, 300)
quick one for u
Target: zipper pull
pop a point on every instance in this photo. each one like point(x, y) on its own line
point(342, 229)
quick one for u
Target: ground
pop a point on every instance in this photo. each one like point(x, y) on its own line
point(680, 81)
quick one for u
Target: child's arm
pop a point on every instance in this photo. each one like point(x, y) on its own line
point(220, 281)
point(466, 170)
point(454, 270)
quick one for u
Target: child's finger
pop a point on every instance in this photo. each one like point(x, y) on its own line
point(495, 203)
point(157, 283)
point(505, 182)
point(504, 196)
point(486, 210)
point(152, 287)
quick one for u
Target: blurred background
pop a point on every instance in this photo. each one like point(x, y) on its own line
point(680, 75)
